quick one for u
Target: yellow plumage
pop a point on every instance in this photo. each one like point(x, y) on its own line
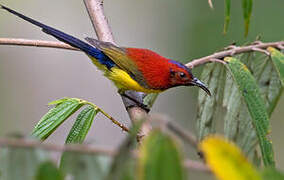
point(121, 79)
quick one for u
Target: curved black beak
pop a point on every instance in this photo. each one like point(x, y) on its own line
point(197, 82)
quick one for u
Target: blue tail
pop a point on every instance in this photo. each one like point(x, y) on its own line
point(75, 42)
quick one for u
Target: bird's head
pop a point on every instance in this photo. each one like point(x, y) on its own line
point(180, 75)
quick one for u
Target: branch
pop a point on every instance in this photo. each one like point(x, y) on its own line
point(85, 149)
point(36, 43)
point(99, 20)
point(196, 165)
point(21, 143)
point(233, 50)
point(175, 128)
point(183, 133)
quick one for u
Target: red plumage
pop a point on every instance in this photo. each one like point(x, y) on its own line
point(155, 68)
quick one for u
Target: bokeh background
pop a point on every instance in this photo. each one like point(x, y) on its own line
point(182, 30)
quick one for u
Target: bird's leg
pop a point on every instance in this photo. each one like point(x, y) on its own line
point(140, 104)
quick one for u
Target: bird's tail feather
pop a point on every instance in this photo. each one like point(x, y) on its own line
point(75, 42)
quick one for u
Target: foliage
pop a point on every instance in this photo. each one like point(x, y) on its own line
point(247, 10)
point(246, 97)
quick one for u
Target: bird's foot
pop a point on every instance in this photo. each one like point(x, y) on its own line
point(137, 102)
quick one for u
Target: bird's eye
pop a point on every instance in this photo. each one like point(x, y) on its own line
point(182, 74)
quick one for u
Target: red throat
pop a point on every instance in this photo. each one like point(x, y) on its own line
point(155, 68)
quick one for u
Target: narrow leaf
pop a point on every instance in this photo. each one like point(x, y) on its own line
point(58, 101)
point(227, 15)
point(82, 125)
point(48, 171)
point(278, 60)
point(226, 160)
point(159, 158)
point(209, 106)
point(56, 116)
point(256, 106)
point(247, 9)
point(238, 124)
point(269, 81)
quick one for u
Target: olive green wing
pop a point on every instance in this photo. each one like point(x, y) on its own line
point(119, 57)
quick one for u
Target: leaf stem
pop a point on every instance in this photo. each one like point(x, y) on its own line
point(124, 128)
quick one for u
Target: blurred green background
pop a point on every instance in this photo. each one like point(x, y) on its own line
point(182, 30)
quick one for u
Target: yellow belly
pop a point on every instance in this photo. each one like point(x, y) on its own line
point(122, 80)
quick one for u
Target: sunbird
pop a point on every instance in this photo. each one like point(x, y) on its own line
point(141, 70)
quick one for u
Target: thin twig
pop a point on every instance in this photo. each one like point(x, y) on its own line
point(233, 51)
point(184, 134)
point(81, 148)
point(124, 128)
point(36, 43)
point(196, 165)
point(21, 143)
point(181, 132)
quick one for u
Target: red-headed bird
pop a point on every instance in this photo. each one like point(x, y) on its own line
point(135, 69)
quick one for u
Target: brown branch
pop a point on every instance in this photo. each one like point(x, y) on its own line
point(21, 143)
point(196, 165)
point(182, 133)
point(36, 43)
point(85, 149)
point(96, 12)
point(174, 127)
point(233, 50)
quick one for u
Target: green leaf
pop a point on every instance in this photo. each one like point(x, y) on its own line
point(82, 125)
point(278, 60)
point(247, 9)
point(85, 166)
point(209, 106)
point(227, 15)
point(226, 160)
point(272, 174)
point(56, 116)
point(159, 158)
point(20, 163)
point(238, 124)
point(48, 171)
point(58, 101)
point(256, 106)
